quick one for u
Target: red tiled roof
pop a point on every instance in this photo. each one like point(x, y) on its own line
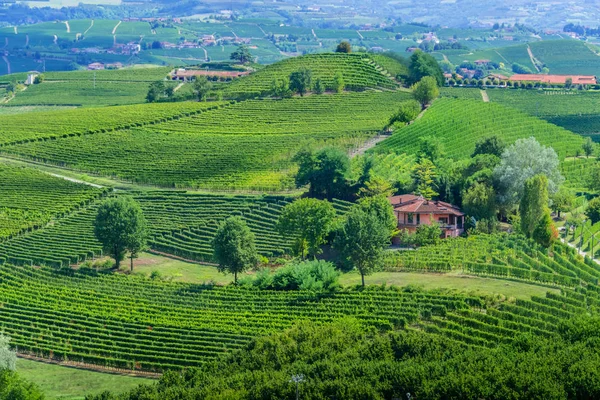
point(409, 203)
point(577, 79)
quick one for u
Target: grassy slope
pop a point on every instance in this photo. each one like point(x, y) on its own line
point(58, 382)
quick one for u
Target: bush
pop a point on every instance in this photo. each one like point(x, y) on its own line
point(314, 275)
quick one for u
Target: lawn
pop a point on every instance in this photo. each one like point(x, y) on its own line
point(58, 382)
point(194, 273)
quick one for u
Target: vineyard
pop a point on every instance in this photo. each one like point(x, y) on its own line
point(30, 199)
point(459, 123)
point(573, 110)
point(358, 71)
point(247, 145)
point(180, 223)
point(566, 57)
point(577, 172)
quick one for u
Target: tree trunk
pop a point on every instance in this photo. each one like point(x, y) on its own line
point(362, 276)
point(235, 277)
point(131, 265)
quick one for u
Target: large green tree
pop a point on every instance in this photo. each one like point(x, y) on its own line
point(202, 87)
point(534, 203)
point(324, 171)
point(242, 54)
point(562, 201)
point(424, 174)
point(545, 232)
point(120, 226)
point(310, 221)
point(593, 210)
point(423, 64)
point(344, 47)
point(233, 247)
point(425, 91)
point(521, 161)
point(489, 145)
point(407, 112)
point(362, 239)
point(479, 201)
point(301, 81)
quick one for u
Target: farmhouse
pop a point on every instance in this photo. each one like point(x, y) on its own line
point(95, 66)
point(182, 74)
point(412, 211)
point(554, 79)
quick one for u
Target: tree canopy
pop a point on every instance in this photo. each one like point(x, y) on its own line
point(120, 226)
point(344, 47)
point(233, 247)
point(324, 171)
point(242, 54)
point(301, 81)
point(310, 220)
point(534, 203)
point(423, 64)
point(426, 90)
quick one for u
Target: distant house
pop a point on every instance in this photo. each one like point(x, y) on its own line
point(412, 211)
point(95, 66)
point(116, 65)
point(182, 74)
point(482, 62)
point(377, 49)
point(554, 79)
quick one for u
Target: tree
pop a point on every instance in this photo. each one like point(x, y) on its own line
point(425, 91)
point(562, 201)
point(8, 358)
point(362, 240)
point(338, 82)
point(533, 203)
point(424, 174)
point(588, 146)
point(593, 210)
point(545, 232)
point(300, 81)
point(568, 83)
point(242, 54)
point(156, 91)
point(479, 201)
point(310, 221)
point(233, 247)
point(156, 45)
point(427, 235)
point(521, 161)
point(376, 186)
point(593, 181)
point(407, 112)
point(431, 148)
point(281, 88)
point(319, 88)
point(381, 207)
point(344, 47)
point(201, 87)
point(38, 79)
point(120, 226)
point(489, 145)
point(423, 64)
point(325, 172)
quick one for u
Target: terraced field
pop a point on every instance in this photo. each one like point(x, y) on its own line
point(31, 198)
point(459, 123)
point(567, 57)
point(577, 172)
point(247, 145)
point(358, 70)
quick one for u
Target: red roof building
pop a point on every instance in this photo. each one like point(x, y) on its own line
point(554, 79)
point(412, 211)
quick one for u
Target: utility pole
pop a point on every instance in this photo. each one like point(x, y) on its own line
point(581, 235)
point(297, 379)
point(94, 79)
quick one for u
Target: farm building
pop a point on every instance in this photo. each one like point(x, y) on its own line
point(412, 211)
point(554, 79)
point(95, 66)
point(31, 77)
point(182, 74)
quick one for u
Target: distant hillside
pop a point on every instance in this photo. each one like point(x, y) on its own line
point(567, 57)
point(459, 123)
point(359, 71)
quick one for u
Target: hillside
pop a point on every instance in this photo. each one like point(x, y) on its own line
point(246, 145)
point(567, 57)
point(459, 123)
point(359, 72)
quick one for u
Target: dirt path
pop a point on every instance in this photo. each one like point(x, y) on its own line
point(501, 56)
point(68, 27)
point(369, 144)
point(532, 58)
point(261, 29)
point(314, 34)
point(55, 39)
point(205, 53)
point(115, 28)
point(582, 253)
point(5, 42)
point(26, 40)
point(484, 96)
point(16, 30)
point(66, 178)
point(359, 35)
point(178, 87)
point(7, 64)
point(91, 367)
point(91, 25)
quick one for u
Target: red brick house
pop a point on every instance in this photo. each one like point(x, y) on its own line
point(412, 211)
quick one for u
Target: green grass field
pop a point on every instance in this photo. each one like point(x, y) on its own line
point(65, 383)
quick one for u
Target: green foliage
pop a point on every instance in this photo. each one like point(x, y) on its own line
point(534, 203)
point(593, 210)
point(407, 112)
point(202, 87)
point(562, 201)
point(319, 87)
point(242, 54)
point(479, 201)
point(428, 234)
point(424, 174)
point(316, 276)
point(338, 83)
point(381, 207)
point(310, 221)
point(426, 90)
point(593, 180)
point(120, 226)
point(431, 148)
point(324, 171)
point(301, 81)
point(588, 147)
point(344, 47)
point(521, 161)
point(490, 145)
point(362, 238)
point(234, 247)
point(423, 65)
point(545, 232)
point(13, 387)
point(156, 92)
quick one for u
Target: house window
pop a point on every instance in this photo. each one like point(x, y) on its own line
point(444, 221)
point(418, 219)
point(411, 218)
point(460, 222)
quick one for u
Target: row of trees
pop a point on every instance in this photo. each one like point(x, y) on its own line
point(301, 82)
